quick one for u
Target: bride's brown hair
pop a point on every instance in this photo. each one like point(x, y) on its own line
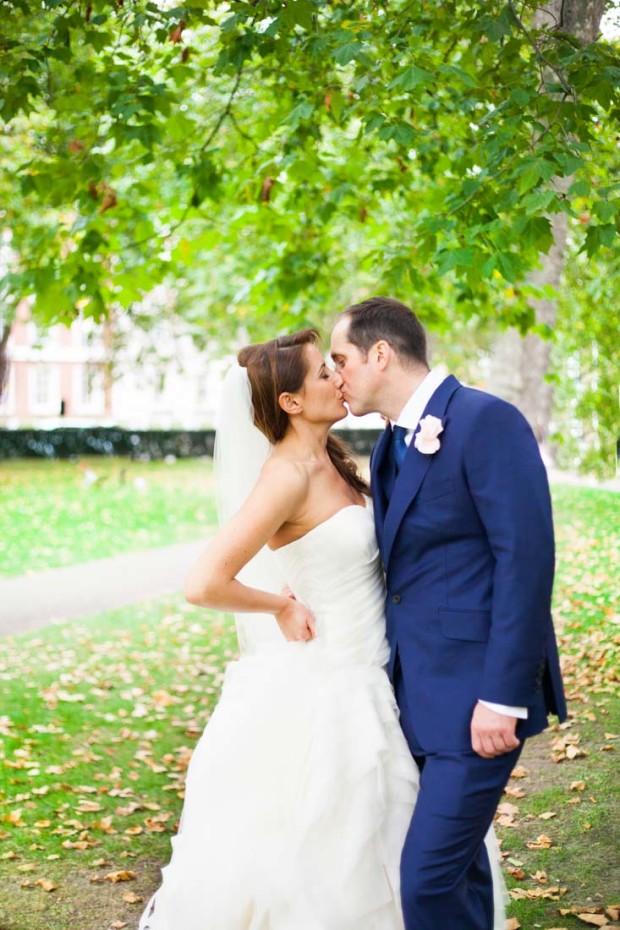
point(279, 366)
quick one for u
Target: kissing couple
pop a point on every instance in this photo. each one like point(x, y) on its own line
point(396, 644)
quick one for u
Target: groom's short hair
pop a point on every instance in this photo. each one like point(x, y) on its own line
point(386, 318)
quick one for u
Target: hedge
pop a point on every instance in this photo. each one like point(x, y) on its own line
point(69, 442)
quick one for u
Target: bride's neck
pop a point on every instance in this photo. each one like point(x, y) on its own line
point(307, 440)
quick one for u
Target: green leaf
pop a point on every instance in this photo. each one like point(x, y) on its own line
point(605, 210)
point(539, 200)
point(454, 258)
point(302, 112)
point(579, 189)
point(347, 52)
point(411, 78)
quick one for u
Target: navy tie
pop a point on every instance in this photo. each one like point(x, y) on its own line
point(399, 446)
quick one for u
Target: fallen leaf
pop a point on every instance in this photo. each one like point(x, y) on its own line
point(123, 875)
point(519, 772)
point(132, 898)
point(507, 808)
point(543, 842)
point(46, 885)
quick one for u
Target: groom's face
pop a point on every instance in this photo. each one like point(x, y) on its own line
point(355, 369)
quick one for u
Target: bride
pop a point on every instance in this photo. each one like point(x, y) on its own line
point(300, 792)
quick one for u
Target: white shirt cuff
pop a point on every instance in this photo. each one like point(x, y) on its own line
point(520, 712)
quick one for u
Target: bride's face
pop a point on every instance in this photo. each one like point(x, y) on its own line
point(321, 395)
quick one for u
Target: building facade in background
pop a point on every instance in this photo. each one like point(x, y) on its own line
point(108, 374)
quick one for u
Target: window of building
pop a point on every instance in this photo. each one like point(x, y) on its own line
point(42, 385)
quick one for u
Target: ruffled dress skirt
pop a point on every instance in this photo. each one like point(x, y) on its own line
point(298, 799)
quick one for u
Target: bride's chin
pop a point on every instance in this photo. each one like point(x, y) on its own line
point(342, 416)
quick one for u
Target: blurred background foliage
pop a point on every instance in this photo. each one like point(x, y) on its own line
point(271, 162)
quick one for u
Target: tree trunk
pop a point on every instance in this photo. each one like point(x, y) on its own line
point(519, 364)
point(4, 359)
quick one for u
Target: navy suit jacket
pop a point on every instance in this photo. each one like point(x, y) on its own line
point(466, 537)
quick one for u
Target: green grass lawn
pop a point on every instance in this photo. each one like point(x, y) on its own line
point(97, 727)
point(52, 515)
point(98, 719)
point(569, 779)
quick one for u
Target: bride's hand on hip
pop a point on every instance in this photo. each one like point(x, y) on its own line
point(296, 621)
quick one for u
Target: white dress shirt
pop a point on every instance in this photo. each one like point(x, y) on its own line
point(409, 417)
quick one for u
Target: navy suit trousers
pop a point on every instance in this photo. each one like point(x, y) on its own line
point(445, 873)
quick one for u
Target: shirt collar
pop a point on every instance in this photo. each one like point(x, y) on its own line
point(414, 408)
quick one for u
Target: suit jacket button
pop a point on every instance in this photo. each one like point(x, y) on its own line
point(396, 599)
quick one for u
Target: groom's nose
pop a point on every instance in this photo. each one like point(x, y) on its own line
point(338, 379)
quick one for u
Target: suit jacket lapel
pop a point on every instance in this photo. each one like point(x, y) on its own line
point(414, 468)
point(377, 464)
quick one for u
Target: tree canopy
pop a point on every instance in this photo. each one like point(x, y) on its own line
point(272, 159)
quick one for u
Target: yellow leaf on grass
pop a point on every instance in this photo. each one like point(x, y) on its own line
point(123, 875)
point(543, 842)
point(46, 885)
point(132, 898)
point(88, 807)
point(507, 808)
point(512, 924)
point(519, 772)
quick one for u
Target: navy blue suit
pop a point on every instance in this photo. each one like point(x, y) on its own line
point(466, 537)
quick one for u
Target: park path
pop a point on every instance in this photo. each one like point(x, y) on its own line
point(29, 602)
point(32, 601)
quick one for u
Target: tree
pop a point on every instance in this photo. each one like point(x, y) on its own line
point(280, 153)
point(584, 365)
point(521, 362)
point(275, 160)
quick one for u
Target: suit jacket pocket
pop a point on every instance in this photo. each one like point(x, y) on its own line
point(469, 625)
point(432, 489)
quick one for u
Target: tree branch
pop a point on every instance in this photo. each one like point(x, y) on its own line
point(541, 57)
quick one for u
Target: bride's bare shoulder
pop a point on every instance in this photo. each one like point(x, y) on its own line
point(285, 474)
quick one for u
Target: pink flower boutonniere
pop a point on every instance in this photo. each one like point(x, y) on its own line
point(426, 440)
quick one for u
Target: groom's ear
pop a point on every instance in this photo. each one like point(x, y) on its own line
point(290, 403)
point(381, 352)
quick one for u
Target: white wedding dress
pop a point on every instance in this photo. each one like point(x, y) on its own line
point(301, 789)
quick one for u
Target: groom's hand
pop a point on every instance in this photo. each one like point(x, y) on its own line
point(492, 734)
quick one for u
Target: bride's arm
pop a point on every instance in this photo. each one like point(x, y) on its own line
point(212, 582)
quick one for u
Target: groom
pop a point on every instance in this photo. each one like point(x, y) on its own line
point(463, 519)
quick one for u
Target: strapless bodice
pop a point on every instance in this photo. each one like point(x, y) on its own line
point(335, 570)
